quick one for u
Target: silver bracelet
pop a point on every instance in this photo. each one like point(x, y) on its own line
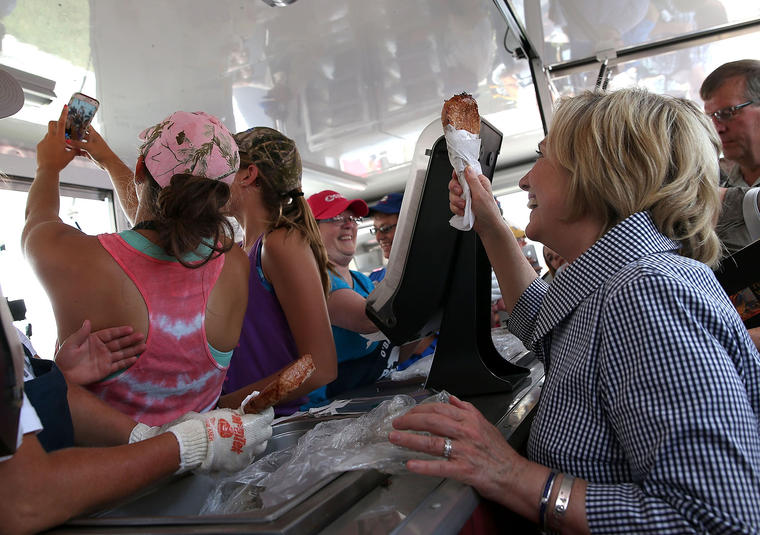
point(562, 501)
point(545, 499)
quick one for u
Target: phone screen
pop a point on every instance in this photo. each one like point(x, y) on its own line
point(81, 111)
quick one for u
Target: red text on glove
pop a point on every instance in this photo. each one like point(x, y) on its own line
point(210, 429)
point(239, 441)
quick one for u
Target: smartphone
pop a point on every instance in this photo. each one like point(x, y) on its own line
point(81, 111)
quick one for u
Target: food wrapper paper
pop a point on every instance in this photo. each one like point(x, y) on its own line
point(248, 398)
point(464, 149)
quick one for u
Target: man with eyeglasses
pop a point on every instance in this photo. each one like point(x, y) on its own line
point(360, 362)
point(731, 95)
point(385, 218)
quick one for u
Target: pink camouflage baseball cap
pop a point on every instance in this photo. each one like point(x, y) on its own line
point(193, 143)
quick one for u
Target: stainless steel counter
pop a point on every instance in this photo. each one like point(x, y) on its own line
point(363, 502)
point(412, 504)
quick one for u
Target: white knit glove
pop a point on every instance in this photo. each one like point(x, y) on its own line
point(221, 440)
point(143, 432)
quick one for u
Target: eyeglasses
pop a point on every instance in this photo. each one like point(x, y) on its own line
point(342, 219)
point(382, 230)
point(726, 114)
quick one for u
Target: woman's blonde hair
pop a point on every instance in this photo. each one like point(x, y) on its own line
point(293, 214)
point(629, 151)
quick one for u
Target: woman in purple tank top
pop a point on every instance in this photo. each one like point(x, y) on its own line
point(287, 311)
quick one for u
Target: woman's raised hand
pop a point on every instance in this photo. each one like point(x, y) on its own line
point(95, 147)
point(484, 205)
point(53, 152)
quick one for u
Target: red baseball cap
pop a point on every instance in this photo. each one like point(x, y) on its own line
point(328, 203)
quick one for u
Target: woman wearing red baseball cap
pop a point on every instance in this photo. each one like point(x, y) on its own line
point(359, 363)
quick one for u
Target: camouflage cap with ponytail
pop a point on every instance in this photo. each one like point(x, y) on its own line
point(274, 154)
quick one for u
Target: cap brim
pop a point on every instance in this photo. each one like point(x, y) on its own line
point(357, 206)
point(385, 209)
point(11, 94)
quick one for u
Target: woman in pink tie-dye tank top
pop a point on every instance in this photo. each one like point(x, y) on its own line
point(176, 276)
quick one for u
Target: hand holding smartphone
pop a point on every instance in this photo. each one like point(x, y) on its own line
point(81, 111)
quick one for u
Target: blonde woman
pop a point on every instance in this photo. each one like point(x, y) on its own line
point(648, 418)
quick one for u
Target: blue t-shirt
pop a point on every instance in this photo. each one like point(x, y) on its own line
point(349, 344)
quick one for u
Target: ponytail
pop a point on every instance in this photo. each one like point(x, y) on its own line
point(189, 212)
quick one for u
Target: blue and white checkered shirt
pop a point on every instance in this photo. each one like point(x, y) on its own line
point(652, 390)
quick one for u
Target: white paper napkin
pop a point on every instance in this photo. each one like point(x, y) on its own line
point(464, 149)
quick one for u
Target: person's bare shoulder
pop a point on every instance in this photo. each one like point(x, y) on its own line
point(287, 260)
point(236, 261)
point(61, 246)
point(49, 233)
point(282, 247)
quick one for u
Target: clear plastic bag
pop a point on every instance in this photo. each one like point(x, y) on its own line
point(330, 447)
point(421, 368)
